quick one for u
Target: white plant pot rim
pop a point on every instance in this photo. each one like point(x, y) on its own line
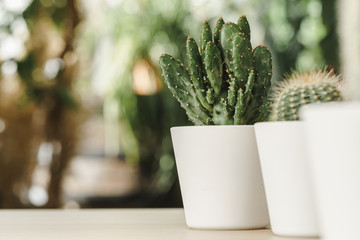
point(214, 126)
point(280, 123)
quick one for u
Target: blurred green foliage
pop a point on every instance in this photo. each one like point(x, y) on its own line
point(137, 32)
point(302, 34)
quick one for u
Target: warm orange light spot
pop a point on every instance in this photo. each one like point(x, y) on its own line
point(145, 79)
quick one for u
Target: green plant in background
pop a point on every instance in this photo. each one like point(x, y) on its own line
point(303, 88)
point(135, 101)
point(226, 81)
point(300, 34)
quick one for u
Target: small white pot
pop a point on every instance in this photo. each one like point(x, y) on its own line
point(286, 174)
point(220, 177)
point(333, 135)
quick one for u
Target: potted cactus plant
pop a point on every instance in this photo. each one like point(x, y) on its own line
point(223, 88)
point(283, 152)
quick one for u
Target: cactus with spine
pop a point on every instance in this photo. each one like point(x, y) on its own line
point(224, 81)
point(303, 88)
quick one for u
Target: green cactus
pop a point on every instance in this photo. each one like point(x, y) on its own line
point(301, 89)
point(217, 31)
point(244, 26)
point(226, 82)
point(205, 36)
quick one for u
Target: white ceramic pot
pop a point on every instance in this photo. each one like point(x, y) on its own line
point(333, 135)
point(220, 177)
point(286, 174)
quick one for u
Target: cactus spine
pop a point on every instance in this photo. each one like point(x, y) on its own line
point(226, 81)
point(301, 89)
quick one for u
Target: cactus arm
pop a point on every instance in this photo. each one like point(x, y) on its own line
point(217, 33)
point(205, 37)
point(242, 59)
point(178, 81)
point(232, 91)
point(195, 69)
point(213, 67)
point(239, 108)
point(217, 40)
point(228, 32)
point(243, 100)
point(263, 73)
point(248, 88)
point(244, 26)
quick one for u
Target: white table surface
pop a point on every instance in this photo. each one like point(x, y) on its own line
point(120, 224)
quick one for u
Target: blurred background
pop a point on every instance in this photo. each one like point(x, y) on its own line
point(84, 114)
